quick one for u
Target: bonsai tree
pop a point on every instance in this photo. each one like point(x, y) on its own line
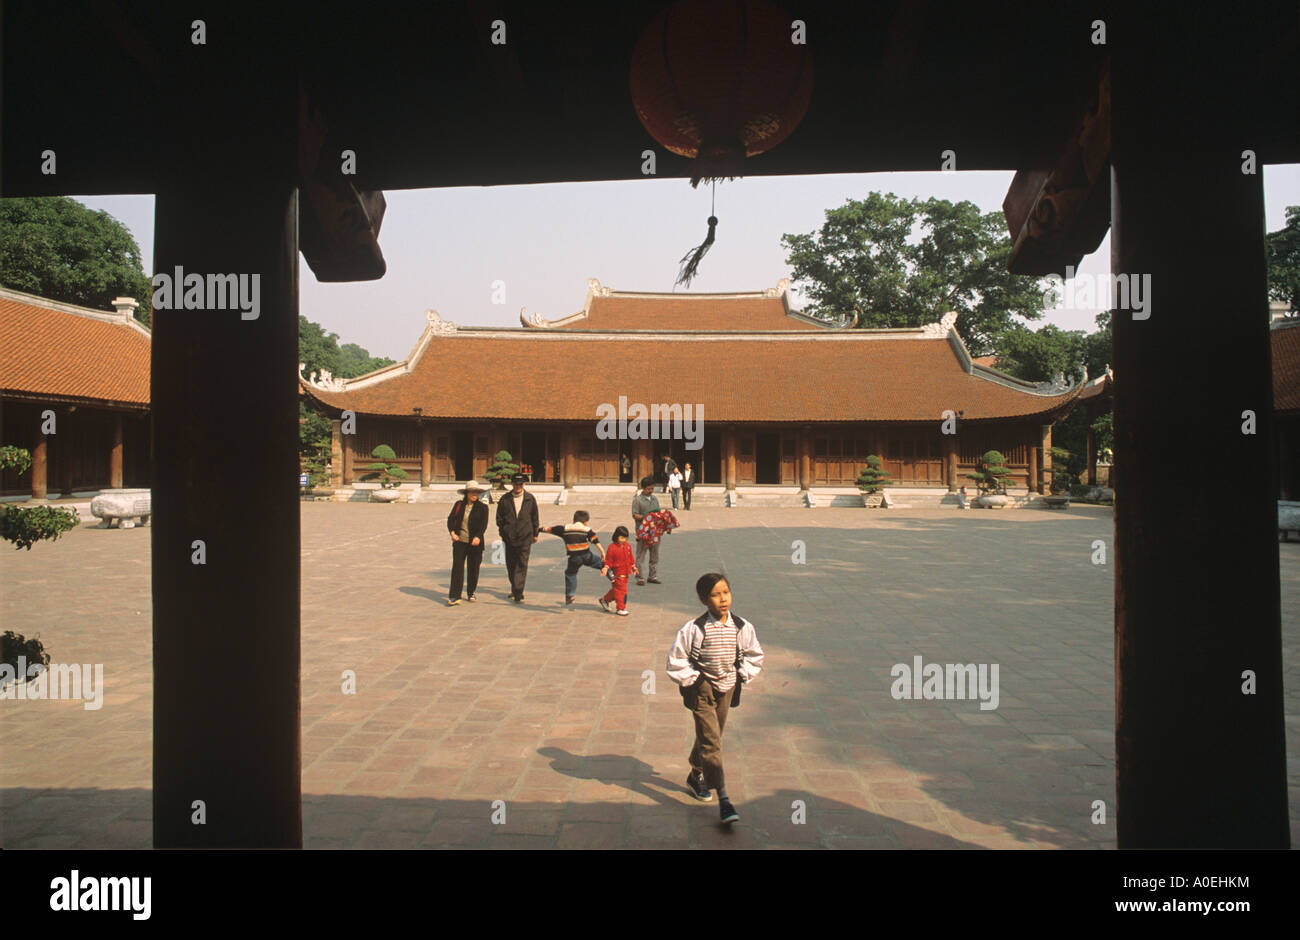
point(385, 470)
point(502, 469)
point(14, 645)
point(1061, 476)
point(989, 475)
point(872, 478)
point(25, 527)
point(317, 466)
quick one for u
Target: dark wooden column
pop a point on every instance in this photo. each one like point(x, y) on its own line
point(426, 455)
point(1032, 459)
point(805, 459)
point(570, 472)
point(115, 454)
point(950, 461)
point(1199, 764)
point(1092, 455)
point(729, 449)
point(336, 451)
point(40, 461)
point(226, 633)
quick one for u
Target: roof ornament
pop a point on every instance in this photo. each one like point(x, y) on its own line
point(326, 382)
point(593, 285)
point(532, 319)
point(782, 287)
point(943, 327)
point(438, 325)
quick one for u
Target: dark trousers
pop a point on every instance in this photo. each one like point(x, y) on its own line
point(709, 709)
point(464, 555)
point(686, 496)
point(577, 560)
point(517, 565)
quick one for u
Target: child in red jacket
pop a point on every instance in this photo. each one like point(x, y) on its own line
point(620, 564)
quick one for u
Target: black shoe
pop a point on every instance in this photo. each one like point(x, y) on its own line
point(695, 783)
point(655, 581)
point(727, 812)
point(640, 582)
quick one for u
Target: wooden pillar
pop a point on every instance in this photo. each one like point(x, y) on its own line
point(1199, 763)
point(1032, 457)
point(115, 454)
point(63, 453)
point(336, 450)
point(226, 722)
point(643, 460)
point(426, 455)
point(729, 449)
point(1045, 460)
point(1092, 456)
point(40, 463)
point(570, 474)
point(805, 459)
point(950, 461)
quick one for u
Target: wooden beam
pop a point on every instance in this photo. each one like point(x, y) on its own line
point(1058, 214)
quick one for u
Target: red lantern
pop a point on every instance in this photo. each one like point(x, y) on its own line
point(719, 80)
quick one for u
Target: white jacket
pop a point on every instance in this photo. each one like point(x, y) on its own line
point(682, 671)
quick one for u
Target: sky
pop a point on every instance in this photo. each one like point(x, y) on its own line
point(446, 248)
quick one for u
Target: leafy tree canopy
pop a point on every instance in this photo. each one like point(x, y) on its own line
point(866, 254)
point(1283, 247)
point(57, 248)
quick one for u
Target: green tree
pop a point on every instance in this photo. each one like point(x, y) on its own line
point(905, 262)
point(1283, 248)
point(502, 469)
point(355, 361)
point(57, 248)
point(318, 349)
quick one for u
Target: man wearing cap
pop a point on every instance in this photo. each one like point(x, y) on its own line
point(466, 523)
point(644, 503)
point(518, 525)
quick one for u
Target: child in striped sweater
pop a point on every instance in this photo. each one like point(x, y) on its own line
point(579, 541)
point(711, 656)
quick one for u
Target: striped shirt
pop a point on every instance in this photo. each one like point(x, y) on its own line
point(718, 653)
point(577, 537)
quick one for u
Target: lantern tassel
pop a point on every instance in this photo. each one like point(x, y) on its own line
point(690, 263)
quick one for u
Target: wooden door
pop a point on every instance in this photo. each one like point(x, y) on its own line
point(789, 460)
point(745, 457)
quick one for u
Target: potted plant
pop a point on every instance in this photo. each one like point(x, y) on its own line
point(871, 481)
point(319, 472)
point(502, 469)
point(990, 478)
point(387, 472)
point(1062, 478)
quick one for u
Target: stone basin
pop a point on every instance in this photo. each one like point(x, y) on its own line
point(124, 505)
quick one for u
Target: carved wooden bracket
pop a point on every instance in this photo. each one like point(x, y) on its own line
point(338, 225)
point(1059, 215)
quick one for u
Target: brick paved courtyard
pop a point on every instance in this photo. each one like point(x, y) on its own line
point(542, 707)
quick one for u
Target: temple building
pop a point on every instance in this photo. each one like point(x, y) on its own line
point(74, 391)
point(785, 399)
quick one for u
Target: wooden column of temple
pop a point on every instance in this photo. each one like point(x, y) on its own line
point(1200, 737)
point(40, 463)
point(115, 454)
point(729, 449)
point(226, 724)
point(570, 472)
point(950, 461)
point(337, 445)
point(426, 455)
point(805, 459)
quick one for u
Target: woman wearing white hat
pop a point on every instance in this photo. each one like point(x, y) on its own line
point(466, 523)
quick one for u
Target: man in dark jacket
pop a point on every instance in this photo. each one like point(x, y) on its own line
point(466, 523)
point(518, 525)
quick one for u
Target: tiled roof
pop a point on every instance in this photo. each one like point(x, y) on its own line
point(58, 350)
point(684, 312)
point(840, 376)
point(606, 309)
point(1286, 367)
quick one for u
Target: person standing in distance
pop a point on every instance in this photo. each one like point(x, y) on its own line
point(644, 503)
point(518, 524)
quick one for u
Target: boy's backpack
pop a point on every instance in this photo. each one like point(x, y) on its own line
point(700, 621)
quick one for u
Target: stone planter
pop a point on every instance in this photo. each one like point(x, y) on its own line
point(873, 500)
point(992, 501)
point(1288, 518)
point(385, 496)
point(126, 506)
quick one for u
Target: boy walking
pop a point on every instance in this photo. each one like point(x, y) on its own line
point(579, 540)
point(619, 565)
point(711, 657)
